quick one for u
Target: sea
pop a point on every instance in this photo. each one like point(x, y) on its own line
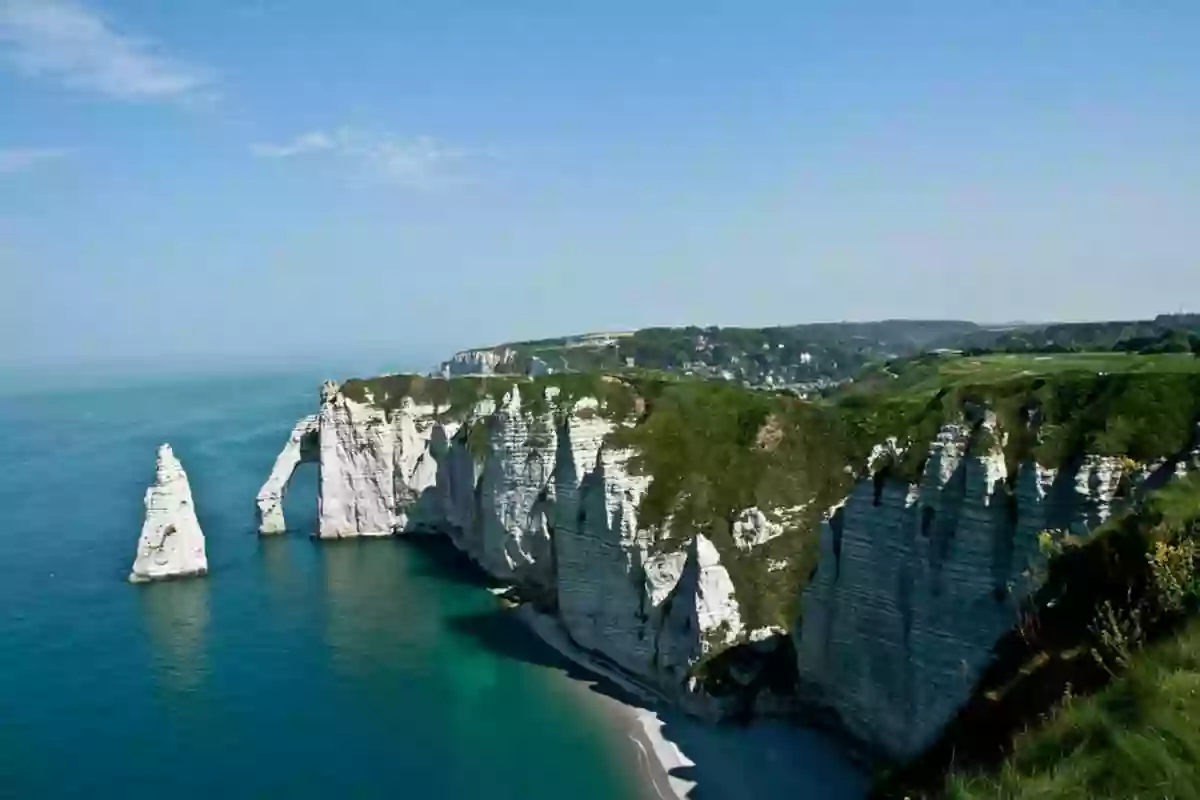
point(296, 668)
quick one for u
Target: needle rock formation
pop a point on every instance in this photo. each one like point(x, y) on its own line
point(171, 544)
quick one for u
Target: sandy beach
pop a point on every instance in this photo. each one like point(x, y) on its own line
point(680, 757)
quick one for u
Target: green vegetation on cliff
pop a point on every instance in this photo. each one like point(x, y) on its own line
point(1051, 409)
point(1137, 738)
point(811, 355)
point(1163, 334)
point(715, 449)
point(777, 355)
point(455, 398)
point(1097, 649)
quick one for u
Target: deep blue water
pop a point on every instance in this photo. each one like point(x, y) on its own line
point(295, 669)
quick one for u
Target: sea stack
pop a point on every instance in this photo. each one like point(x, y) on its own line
point(171, 544)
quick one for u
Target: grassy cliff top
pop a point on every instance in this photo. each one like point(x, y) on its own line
point(715, 448)
point(934, 372)
point(760, 356)
point(1136, 738)
point(454, 398)
point(1049, 408)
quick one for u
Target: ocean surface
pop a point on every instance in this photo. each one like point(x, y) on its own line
point(294, 669)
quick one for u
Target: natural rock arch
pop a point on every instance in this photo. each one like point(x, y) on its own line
point(302, 446)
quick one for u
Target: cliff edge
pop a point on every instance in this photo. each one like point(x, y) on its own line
point(749, 553)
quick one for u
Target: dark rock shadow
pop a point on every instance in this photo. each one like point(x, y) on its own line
point(503, 634)
point(730, 761)
point(439, 558)
point(768, 759)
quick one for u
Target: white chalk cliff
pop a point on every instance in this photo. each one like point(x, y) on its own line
point(300, 447)
point(916, 582)
point(537, 498)
point(171, 544)
point(476, 362)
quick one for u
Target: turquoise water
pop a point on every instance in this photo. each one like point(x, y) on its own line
point(295, 669)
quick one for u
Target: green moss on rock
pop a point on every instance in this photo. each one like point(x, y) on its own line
point(455, 398)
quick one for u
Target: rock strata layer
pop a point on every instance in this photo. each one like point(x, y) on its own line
point(916, 582)
point(171, 544)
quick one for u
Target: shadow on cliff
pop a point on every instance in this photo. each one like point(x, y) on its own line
point(730, 761)
point(502, 633)
point(439, 558)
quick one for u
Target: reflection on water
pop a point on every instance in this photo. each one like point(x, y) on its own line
point(384, 614)
point(283, 577)
point(176, 615)
point(279, 568)
point(361, 628)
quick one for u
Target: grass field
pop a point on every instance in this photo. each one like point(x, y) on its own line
point(1138, 738)
point(931, 373)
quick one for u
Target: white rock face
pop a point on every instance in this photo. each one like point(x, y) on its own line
point(915, 584)
point(374, 466)
point(704, 601)
point(476, 362)
point(301, 446)
point(507, 531)
point(536, 499)
point(755, 527)
point(171, 544)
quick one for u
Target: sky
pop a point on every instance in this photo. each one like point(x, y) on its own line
point(261, 181)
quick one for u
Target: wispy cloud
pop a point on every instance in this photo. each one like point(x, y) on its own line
point(19, 159)
point(418, 162)
point(304, 143)
point(65, 41)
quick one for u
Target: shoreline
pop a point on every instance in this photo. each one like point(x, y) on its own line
point(682, 758)
point(640, 722)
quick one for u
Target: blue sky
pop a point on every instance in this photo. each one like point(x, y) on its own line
point(260, 179)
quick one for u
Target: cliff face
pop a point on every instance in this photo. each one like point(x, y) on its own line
point(673, 531)
point(535, 495)
point(917, 582)
point(476, 362)
point(171, 544)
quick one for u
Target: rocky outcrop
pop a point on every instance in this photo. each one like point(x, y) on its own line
point(171, 544)
point(300, 447)
point(755, 527)
point(374, 464)
point(703, 614)
point(916, 582)
point(536, 496)
point(476, 362)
